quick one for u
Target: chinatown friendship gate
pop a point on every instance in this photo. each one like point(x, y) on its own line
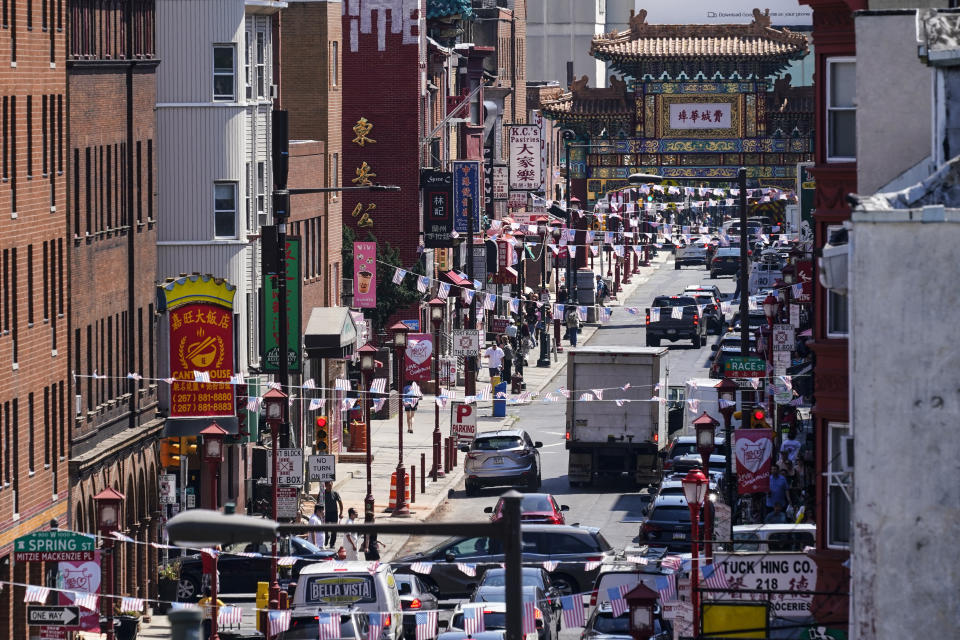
point(692, 101)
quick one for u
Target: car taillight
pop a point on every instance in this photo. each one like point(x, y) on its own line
point(649, 528)
point(386, 620)
point(593, 598)
point(415, 604)
point(473, 456)
point(696, 319)
point(594, 559)
point(567, 435)
point(555, 520)
point(648, 317)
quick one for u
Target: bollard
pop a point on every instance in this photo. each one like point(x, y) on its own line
point(185, 623)
point(453, 451)
point(423, 473)
point(446, 455)
point(284, 600)
point(413, 483)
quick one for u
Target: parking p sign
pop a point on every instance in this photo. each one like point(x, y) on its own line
point(463, 422)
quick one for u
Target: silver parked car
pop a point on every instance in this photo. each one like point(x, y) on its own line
point(507, 457)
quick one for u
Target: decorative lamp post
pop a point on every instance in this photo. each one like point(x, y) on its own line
point(695, 490)
point(770, 304)
point(727, 392)
point(368, 362)
point(109, 502)
point(641, 601)
point(437, 308)
point(274, 406)
point(556, 233)
point(213, 455)
point(705, 427)
point(400, 345)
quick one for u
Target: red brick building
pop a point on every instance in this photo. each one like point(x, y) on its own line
point(35, 402)
point(835, 170)
point(111, 220)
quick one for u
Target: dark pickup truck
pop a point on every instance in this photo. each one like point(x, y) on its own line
point(662, 325)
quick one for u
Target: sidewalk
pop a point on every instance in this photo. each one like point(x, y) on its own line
point(351, 478)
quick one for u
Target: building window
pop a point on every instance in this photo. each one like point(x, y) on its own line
point(225, 209)
point(246, 65)
point(261, 64)
point(839, 485)
point(837, 318)
point(224, 73)
point(261, 187)
point(841, 109)
point(335, 173)
point(334, 63)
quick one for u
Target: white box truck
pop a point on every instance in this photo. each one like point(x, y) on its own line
point(607, 438)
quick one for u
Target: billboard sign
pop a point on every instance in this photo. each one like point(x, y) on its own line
point(782, 12)
point(792, 575)
point(525, 173)
point(466, 198)
point(200, 320)
point(437, 187)
point(271, 329)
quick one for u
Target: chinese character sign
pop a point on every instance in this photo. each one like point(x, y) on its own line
point(466, 190)
point(525, 174)
point(364, 275)
point(697, 115)
point(500, 183)
point(437, 189)
point(201, 339)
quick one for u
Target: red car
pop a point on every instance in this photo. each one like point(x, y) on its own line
point(535, 507)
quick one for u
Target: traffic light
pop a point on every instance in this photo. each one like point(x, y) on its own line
point(170, 452)
point(758, 419)
point(188, 446)
point(322, 441)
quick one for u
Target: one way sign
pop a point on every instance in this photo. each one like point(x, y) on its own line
point(56, 616)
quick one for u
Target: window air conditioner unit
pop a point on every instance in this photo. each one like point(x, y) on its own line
point(833, 267)
point(274, 92)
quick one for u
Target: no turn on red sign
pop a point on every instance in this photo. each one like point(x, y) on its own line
point(463, 422)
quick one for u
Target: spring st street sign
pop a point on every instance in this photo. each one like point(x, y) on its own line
point(56, 545)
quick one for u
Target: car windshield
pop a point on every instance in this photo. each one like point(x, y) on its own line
point(682, 449)
point(670, 514)
point(302, 547)
point(673, 301)
point(742, 541)
point(498, 578)
point(536, 503)
point(497, 443)
point(606, 623)
point(729, 251)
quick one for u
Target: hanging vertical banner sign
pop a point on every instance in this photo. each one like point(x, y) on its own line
point(82, 577)
point(364, 275)
point(541, 124)
point(488, 181)
point(200, 315)
point(271, 314)
point(418, 358)
point(754, 452)
point(437, 189)
point(525, 174)
point(466, 189)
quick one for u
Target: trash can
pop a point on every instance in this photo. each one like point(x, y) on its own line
point(500, 401)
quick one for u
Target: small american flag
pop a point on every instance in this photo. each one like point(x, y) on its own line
point(713, 577)
point(550, 565)
point(598, 393)
point(618, 604)
point(655, 314)
point(422, 283)
point(473, 619)
point(398, 275)
point(529, 618)
point(373, 566)
point(120, 536)
point(422, 567)
point(426, 625)
point(86, 601)
point(201, 376)
point(253, 404)
point(443, 291)
point(672, 562)
point(286, 561)
point(229, 615)
point(564, 392)
point(514, 305)
point(572, 607)
point(667, 587)
point(131, 604)
point(329, 626)
point(341, 384)
point(585, 397)
point(374, 626)
point(316, 403)
point(590, 566)
point(468, 569)
point(483, 392)
point(676, 313)
point(36, 594)
point(467, 296)
point(278, 621)
point(236, 378)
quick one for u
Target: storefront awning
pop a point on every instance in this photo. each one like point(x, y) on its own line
point(184, 427)
point(330, 333)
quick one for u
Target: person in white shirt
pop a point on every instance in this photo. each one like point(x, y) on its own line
point(495, 359)
point(351, 545)
point(316, 537)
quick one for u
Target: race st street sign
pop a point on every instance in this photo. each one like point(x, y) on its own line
point(55, 616)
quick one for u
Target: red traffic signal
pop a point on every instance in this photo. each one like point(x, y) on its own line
point(321, 421)
point(758, 414)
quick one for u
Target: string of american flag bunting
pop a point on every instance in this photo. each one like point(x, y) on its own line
point(711, 577)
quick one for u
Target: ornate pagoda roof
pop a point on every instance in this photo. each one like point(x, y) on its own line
point(645, 48)
point(590, 103)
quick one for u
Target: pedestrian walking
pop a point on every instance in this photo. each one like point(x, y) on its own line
point(778, 491)
point(316, 537)
point(371, 546)
point(507, 358)
point(332, 511)
point(602, 290)
point(351, 545)
point(573, 325)
point(494, 356)
point(411, 399)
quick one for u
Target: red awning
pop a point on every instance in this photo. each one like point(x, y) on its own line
point(454, 278)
